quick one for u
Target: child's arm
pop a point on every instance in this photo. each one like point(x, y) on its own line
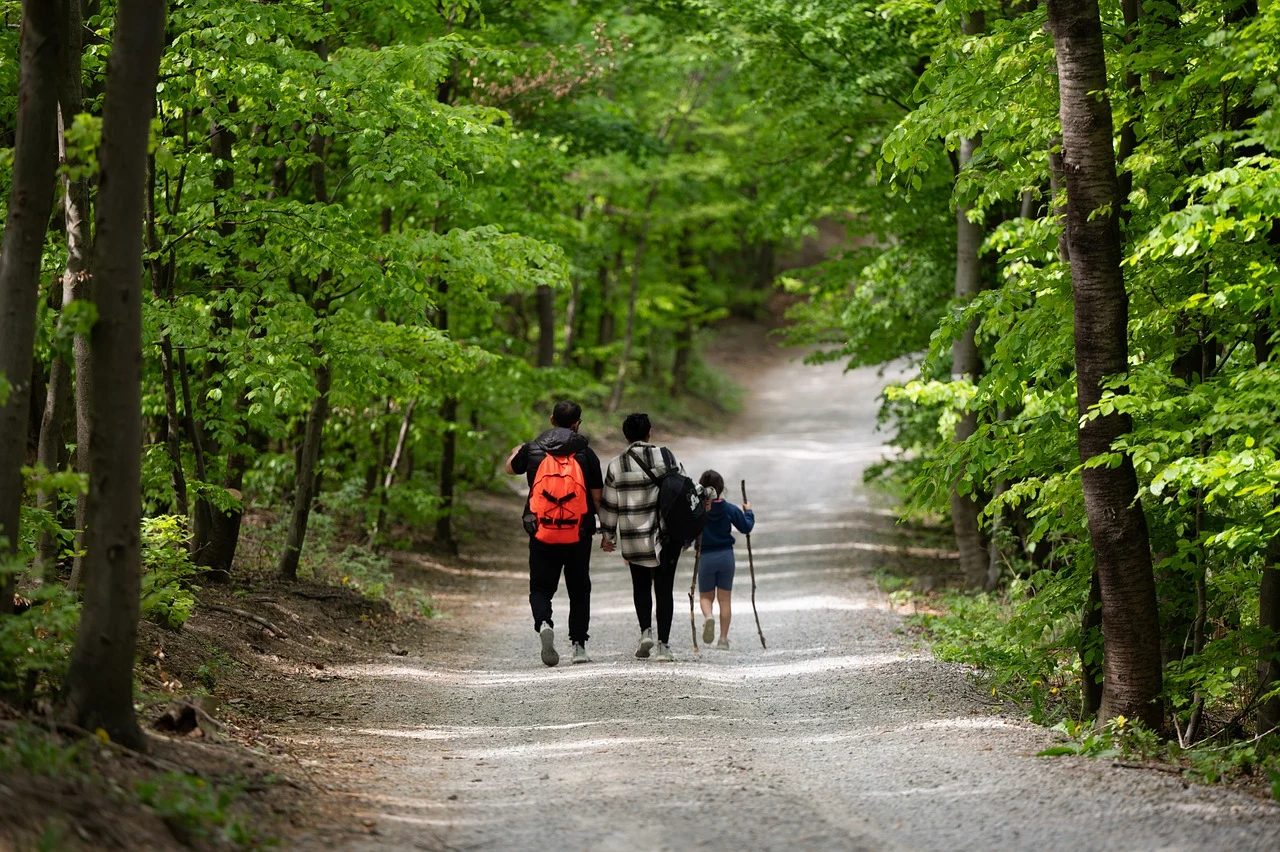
point(745, 521)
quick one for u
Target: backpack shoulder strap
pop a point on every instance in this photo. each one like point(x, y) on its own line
point(644, 465)
point(670, 460)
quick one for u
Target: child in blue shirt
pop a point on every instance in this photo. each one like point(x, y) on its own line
point(716, 564)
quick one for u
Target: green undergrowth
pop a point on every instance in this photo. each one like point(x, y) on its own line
point(36, 643)
point(1205, 763)
point(330, 558)
point(1019, 660)
point(1014, 659)
point(197, 810)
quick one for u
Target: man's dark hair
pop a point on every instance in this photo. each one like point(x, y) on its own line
point(566, 414)
point(636, 427)
point(712, 479)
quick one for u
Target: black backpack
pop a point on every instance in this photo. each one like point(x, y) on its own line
point(681, 510)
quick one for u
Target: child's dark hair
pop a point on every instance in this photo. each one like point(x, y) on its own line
point(636, 427)
point(712, 479)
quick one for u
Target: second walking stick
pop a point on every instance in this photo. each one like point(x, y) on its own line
point(752, 565)
point(697, 555)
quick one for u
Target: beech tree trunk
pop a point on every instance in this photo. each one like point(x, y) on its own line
point(100, 680)
point(1117, 524)
point(605, 331)
point(546, 326)
point(75, 278)
point(1269, 586)
point(35, 163)
point(49, 454)
point(448, 462)
point(162, 275)
point(571, 323)
point(629, 335)
point(215, 532)
point(305, 485)
point(1269, 617)
point(966, 366)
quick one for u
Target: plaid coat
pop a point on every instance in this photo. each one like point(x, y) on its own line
point(629, 505)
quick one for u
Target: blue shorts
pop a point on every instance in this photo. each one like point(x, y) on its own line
point(715, 570)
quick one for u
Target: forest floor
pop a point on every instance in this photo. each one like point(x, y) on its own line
point(361, 729)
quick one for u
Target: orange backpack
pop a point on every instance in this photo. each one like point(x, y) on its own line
point(558, 500)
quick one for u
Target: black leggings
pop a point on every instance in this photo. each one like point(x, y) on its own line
point(661, 581)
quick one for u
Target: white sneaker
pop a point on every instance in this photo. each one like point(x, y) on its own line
point(549, 654)
point(646, 643)
point(662, 654)
point(723, 644)
point(708, 630)
point(580, 654)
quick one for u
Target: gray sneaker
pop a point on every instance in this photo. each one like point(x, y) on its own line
point(708, 631)
point(662, 654)
point(549, 654)
point(580, 654)
point(646, 643)
point(723, 644)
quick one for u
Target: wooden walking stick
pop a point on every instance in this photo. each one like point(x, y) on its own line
point(751, 563)
point(693, 628)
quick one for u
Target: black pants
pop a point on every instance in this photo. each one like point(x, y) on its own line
point(546, 561)
point(662, 581)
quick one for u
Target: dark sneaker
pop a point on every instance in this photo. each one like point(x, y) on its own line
point(662, 654)
point(580, 654)
point(549, 654)
point(646, 644)
point(708, 630)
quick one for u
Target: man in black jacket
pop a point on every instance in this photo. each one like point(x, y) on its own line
point(546, 561)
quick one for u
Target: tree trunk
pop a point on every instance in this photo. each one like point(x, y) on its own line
point(546, 326)
point(392, 463)
point(965, 366)
point(683, 357)
point(1117, 524)
point(630, 334)
point(1269, 617)
point(605, 332)
point(162, 287)
point(448, 461)
point(75, 279)
point(1269, 586)
point(571, 322)
point(215, 533)
point(35, 164)
point(100, 680)
point(305, 480)
point(49, 454)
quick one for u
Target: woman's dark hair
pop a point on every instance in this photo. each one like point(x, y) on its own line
point(712, 479)
point(637, 427)
point(566, 414)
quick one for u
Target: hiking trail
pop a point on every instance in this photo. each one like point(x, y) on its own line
point(844, 734)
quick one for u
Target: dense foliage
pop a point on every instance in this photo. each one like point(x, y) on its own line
point(378, 236)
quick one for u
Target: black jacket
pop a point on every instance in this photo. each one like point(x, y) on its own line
point(559, 441)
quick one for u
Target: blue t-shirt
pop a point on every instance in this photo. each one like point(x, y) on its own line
point(717, 534)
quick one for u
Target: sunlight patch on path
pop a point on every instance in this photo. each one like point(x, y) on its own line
point(690, 669)
point(893, 549)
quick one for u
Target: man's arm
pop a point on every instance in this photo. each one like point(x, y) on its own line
point(511, 459)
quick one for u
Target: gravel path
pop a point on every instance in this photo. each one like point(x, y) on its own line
point(842, 735)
